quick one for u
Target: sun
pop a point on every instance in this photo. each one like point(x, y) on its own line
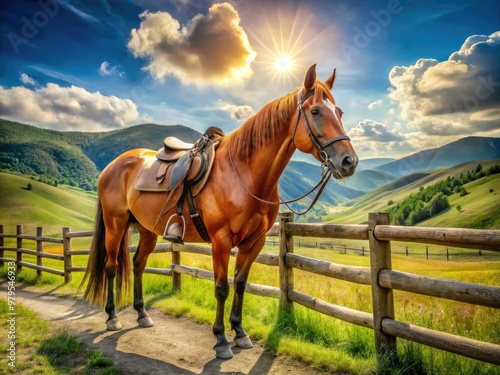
point(284, 44)
point(283, 63)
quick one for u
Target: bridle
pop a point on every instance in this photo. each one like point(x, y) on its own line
point(314, 139)
point(326, 165)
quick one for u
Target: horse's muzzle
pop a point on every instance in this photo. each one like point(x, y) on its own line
point(343, 167)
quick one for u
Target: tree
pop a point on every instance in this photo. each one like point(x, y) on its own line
point(30, 187)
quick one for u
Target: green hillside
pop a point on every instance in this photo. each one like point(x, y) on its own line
point(44, 205)
point(479, 208)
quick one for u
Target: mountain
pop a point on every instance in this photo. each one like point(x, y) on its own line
point(368, 164)
point(454, 153)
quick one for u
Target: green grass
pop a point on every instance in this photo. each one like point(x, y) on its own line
point(324, 342)
point(41, 349)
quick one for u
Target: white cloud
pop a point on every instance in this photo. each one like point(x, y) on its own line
point(212, 49)
point(67, 108)
point(106, 70)
point(458, 96)
point(374, 104)
point(376, 131)
point(27, 80)
point(240, 113)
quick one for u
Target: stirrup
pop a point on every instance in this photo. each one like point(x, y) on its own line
point(175, 232)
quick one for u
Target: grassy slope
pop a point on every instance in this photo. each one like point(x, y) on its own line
point(480, 209)
point(52, 207)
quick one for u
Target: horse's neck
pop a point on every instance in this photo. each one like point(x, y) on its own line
point(268, 162)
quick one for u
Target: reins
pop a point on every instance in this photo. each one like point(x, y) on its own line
point(325, 161)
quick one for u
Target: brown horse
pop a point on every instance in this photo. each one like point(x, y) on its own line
point(234, 204)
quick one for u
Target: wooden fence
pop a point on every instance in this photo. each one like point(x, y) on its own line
point(379, 275)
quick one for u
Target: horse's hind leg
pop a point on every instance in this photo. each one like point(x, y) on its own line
point(147, 244)
point(246, 255)
point(116, 241)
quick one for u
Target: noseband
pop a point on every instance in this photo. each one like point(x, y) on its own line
point(314, 139)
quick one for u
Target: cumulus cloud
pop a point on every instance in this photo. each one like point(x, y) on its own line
point(376, 132)
point(212, 49)
point(26, 79)
point(240, 113)
point(374, 104)
point(106, 70)
point(449, 97)
point(67, 108)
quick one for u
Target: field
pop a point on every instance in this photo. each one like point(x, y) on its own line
point(320, 341)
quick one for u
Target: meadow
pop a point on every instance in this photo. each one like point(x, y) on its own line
point(323, 342)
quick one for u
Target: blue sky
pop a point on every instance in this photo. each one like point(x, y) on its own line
point(411, 75)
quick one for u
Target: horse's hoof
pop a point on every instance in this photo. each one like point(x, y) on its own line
point(243, 342)
point(223, 352)
point(146, 322)
point(113, 325)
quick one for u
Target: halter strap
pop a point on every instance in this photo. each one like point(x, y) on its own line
point(314, 140)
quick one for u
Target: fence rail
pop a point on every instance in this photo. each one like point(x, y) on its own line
point(379, 275)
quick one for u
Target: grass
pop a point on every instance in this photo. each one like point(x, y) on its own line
point(324, 342)
point(42, 349)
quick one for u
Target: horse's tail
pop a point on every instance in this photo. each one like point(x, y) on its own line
point(97, 287)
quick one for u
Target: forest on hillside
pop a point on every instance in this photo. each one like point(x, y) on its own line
point(433, 199)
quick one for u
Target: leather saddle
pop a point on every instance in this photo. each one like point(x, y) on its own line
point(181, 170)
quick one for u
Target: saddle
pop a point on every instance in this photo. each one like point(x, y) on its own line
point(181, 170)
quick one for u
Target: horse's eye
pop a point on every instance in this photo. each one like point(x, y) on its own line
point(315, 111)
point(341, 112)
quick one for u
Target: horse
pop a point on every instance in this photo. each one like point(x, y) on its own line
point(238, 203)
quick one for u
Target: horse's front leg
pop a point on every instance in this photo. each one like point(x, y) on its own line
point(220, 259)
point(246, 256)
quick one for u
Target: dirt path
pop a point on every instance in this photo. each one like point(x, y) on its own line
point(174, 346)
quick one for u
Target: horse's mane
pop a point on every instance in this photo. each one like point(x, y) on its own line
point(271, 120)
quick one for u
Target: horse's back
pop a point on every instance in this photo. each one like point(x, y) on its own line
point(120, 174)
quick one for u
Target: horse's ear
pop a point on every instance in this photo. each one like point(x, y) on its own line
point(310, 78)
point(331, 80)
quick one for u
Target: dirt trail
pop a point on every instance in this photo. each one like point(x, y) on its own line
point(174, 346)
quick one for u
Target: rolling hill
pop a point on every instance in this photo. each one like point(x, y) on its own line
point(76, 158)
point(479, 209)
point(48, 206)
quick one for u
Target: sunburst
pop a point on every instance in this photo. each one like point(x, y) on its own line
point(283, 43)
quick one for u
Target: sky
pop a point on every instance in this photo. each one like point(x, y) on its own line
point(411, 75)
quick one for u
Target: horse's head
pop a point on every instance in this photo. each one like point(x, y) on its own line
point(318, 128)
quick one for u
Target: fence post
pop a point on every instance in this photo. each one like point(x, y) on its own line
point(1, 245)
point(382, 298)
point(286, 273)
point(39, 249)
point(427, 252)
point(68, 264)
point(176, 276)
point(19, 245)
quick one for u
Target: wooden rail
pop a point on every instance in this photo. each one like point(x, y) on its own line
point(379, 275)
